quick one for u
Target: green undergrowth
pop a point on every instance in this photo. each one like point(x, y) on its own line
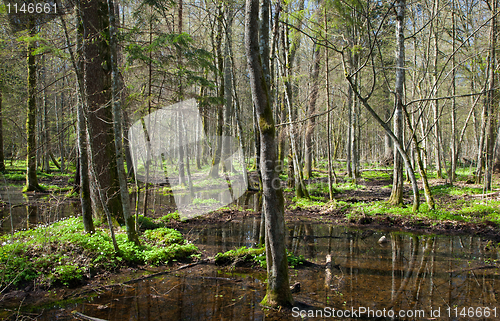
point(349, 186)
point(307, 203)
point(253, 256)
point(63, 254)
point(447, 189)
point(147, 223)
point(380, 174)
point(473, 211)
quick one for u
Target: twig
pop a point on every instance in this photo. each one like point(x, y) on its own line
point(79, 315)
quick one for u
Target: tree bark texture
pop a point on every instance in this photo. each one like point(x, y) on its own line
point(97, 71)
point(117, 127)
point(31, 177)
point(492, 99)
point(278, 290)
point(397, 181)
point(2, 158)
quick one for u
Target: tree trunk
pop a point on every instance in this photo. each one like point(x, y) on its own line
point(300, 189)
point(45, 120)
point(31, 177)
point(453, 143)
point(117, 126)
point(83, 166)
point(98, 91)
point(492, 100)
point(331, 170)
point(239, 127)
point(2, 160)
point(217, 155)
point(227, 164)
point(350, 95)
point(397, 182)
point(311, 123)
point(397, 142)
point(435, 103)
point(278, 290)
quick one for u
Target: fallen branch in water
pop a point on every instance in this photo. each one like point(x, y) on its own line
point(79, 315)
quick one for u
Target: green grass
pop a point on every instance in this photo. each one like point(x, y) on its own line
point(372, 175)
point(350, 186)
point(62, 254)
point(447, 189)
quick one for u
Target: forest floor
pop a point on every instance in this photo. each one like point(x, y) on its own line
point(460, 208)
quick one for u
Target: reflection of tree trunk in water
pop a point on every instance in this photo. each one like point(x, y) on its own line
point(450, 268)
point(311, 246)
point(429, 243)
point(396, 256)
point(330, 233)
point(329, 263)
point(255, 229)
point(31, 214)
point(328, 271)
point(433, 268)
point(408, 273)
point(298, 232)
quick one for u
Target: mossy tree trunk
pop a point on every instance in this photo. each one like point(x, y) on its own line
point(278, 290)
